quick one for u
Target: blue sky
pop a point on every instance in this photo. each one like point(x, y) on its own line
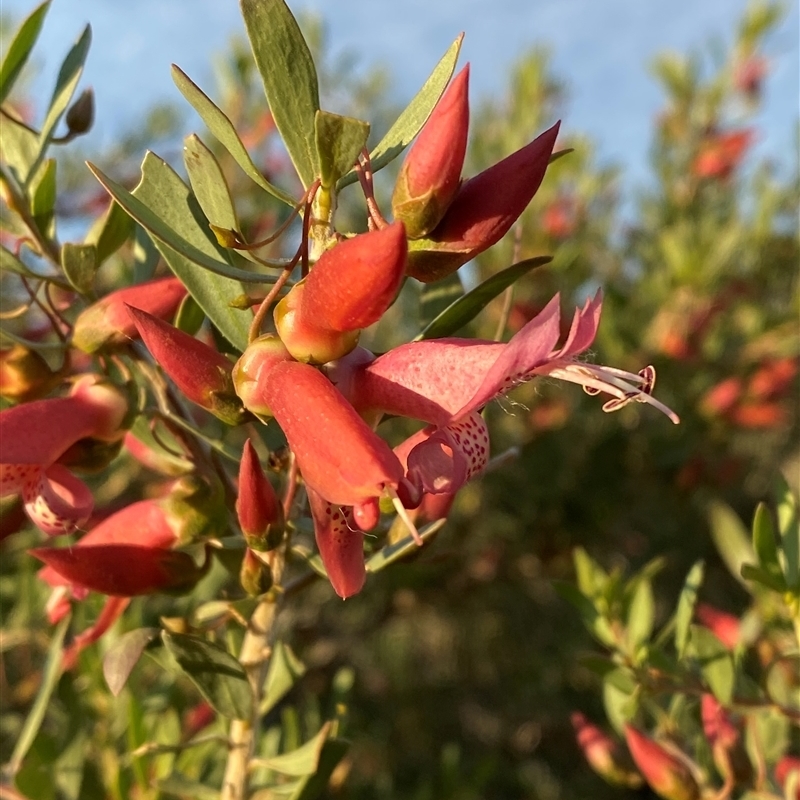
point(600, 47)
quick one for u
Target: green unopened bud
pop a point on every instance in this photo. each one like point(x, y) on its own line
point(255, 575)
point(80, 115)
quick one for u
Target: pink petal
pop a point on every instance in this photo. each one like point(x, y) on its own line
point(584, 327)
point(57, 501)
point(340, 544)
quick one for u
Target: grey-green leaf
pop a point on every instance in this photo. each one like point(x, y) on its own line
point(109, 232)
point(20, 48)
point(284, 670)
point(686, 604)
point(79, 262)
point(339, 140)
point(716, 664)
point(789, 531)
point(19, 146)
point(289, 77)
point(467, 307)
point(394, 552)
point(218, 676)
point(222, 129)
point(731, 539)
point(641, 614)
point(305, 759)
point(414, 116)
point(121, 658)
point(434, 298)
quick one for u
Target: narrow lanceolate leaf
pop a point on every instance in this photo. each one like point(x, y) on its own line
point(715, 662)
point(289, 77)
point(414, 116)
point(467, 307)
point(686, 604)
point(305, 759)
point(42, 192)
point(218, 676)
point(20, 48)
point(164, 206)
point(109, 232)
point(19, 146)
point(394, 552)
point(284, 670)
point(120, 660)
point(67, 82)
point(50, 675)
point(339, 141)
point(312, 786)
point(222, 129)
point(764, 541)
point(789, 532)
point(731, 539)
point(9, 262)
point(641, 614)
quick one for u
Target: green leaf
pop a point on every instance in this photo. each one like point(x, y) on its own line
point(414, 116)
point(619, 698)
point(289, 77)
point(20, 48)
point(218, 676)
point(67, 82)
point(189, 317)
point(79, 262)
point(109, 232)
point(434, 298)
point(591, 617)
point(224, 132)
point(305, 759)
point(180, 786)
point(394, 552)
point(19, 147)
point(68, 768)
point(50, 675)
point(592, 578)
point(770, 580)
point(686, 604)
point(8, 261)
point(121, 658)
point(339, 140)
point(764, 541)
point(466, 308)
point(731, 539)
point(284, 670)
point(208, 184)
point(333, 751)
point(641, 615)
point(165, 207)
point(789, 531)
point(716, 664)
point(43, 197)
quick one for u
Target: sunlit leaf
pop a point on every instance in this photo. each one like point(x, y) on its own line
point(208, 184)
point(641, 614)
point(180, 786)
point(42, 192)
point(284, 670)
point(304, 760)
point(218, 676)
point(19, 146)
point(731, 539)
point(789, 531)
point(619, 698)
point(121, 658)
point(591, 617)
point(79, 262)
point(686, 604)
point(715, 661)
point(467, 307)
point(289, 77)
point(339, 140)
point(769, 580)
point(414, 116)
point(310, 788)
point(18, 50)
point(110, 231)
point(222, 129)
point(764, 541)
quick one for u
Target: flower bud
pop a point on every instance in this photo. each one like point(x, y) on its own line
point(724, 626)
point(24, 374)
point(483, 211)
point(80, 115)
point(108, 323)
point(251, 370)
point(604, 754)
point(259, 510)
point(255, 576)
point(199, 371)
point(430, 175)
point(725, 738)
point(348, 289)
point(787, 767)
point(668, 775)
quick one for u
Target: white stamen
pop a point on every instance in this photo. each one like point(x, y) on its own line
point(403, 514)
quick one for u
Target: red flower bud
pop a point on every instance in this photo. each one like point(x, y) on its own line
point(257, 506)
point(107, 322)
point(604, 754)
point(725, 738)
point(483, 211)
point(721, 153)
point(430, 175)
point(723, 625)
point(349, 288)
point(667, 774)
point(786, 767)
point(339, 455)
point(199, 371)
point(251, 370)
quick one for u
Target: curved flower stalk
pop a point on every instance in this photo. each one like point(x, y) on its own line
point(107, 322)
point(35, 436)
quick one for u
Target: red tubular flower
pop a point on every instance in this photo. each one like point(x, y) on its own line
point(721, 153)
point(34, 436)
point(340, 544)
point(430, 175)
point(348, 289)
point(724, 626)
point(444, 382)
point(667, 774)
point(107, 322)
point(199, 371)
point(785, 767)
point(259, 510)
point(482, 212)
point(604, 754)
point(251, 370)
point(725, 738)
point(340, 456)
